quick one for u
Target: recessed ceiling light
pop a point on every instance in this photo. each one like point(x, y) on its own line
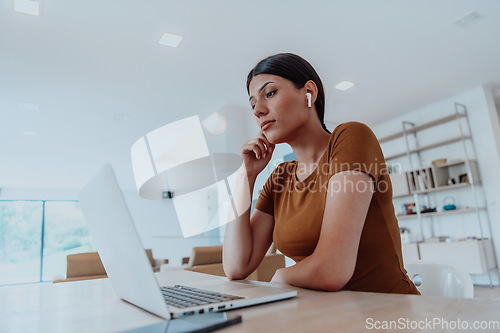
point(27, 7)
point(29, 133)
point(120, 116)
point(344, 85)
point(170, 40)
point(28, 106)
point(468, 20)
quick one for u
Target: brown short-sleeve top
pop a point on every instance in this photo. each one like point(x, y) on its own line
point(298, 208)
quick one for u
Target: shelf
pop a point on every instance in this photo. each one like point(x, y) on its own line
point(442, 213)
point(475, 257)
point(422, 127)
point(451, 163)
point(436, 189)
point(443, 188)
point(434, 145)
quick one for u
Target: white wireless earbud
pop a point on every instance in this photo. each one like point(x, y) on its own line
point(309, 98)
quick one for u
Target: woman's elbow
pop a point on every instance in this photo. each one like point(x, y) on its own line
point(233, 273)
point(331, 285)
point(331, 279)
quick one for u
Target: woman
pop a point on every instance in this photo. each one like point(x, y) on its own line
point(331, 210)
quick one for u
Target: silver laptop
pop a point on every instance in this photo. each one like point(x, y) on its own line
point(128, 267)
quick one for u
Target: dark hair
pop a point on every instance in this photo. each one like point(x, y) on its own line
point(295, 69)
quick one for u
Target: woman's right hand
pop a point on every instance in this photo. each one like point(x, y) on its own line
point(256, 153)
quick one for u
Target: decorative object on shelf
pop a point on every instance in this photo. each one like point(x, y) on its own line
point(403, 211)
point(463, 178)
point(428, 210)
point(439, 177)
point(410, 208)
point(439, 161)
point(449, 203)
point(441, 213)
point(440, 239)
point(469, 239)
point(405, 235)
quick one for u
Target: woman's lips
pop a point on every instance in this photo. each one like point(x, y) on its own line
point(266, 125)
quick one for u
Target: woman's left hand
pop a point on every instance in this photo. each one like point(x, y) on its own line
point(278, 276)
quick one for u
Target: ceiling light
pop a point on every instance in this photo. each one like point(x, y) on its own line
point(29, 133)
point(344, 85)
point(468, 20)
point(27, 7)
point(215, 123)
point(170, 40)
point(28, 106)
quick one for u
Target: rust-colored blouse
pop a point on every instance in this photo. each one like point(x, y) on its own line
point(298, 207)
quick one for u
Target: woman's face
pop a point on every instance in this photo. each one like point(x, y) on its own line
point(280, 108)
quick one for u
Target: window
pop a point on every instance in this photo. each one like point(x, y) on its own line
point(20, 241)
point(29, 229)
point(65, 233)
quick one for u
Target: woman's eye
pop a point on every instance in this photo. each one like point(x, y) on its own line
point(271, 93)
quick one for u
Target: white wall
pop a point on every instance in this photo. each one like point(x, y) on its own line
point(485, 128)
point(37, 194)
point(159, 228)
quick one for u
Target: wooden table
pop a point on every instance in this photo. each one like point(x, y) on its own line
point(92, 306)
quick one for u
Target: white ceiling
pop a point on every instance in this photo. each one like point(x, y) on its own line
point(82, 62)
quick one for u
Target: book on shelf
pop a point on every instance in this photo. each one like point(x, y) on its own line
point(439, 239)
point(422, 184)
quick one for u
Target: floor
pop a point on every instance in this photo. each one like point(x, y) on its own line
point(487, 292)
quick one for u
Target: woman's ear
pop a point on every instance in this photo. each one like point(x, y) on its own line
point(310, 87)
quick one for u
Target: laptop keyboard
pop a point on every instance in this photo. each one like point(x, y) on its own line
point(184, 297)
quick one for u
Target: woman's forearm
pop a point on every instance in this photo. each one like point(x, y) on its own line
point(238, 239)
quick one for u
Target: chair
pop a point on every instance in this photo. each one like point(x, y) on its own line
point(433, 279)
point(88, 266)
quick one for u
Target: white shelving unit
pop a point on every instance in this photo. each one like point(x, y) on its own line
point(443, 213)
point(421, 182)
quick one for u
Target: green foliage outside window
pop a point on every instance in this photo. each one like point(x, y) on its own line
point(65, 232)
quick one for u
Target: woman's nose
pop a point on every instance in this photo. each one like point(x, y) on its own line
point(260, 110)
